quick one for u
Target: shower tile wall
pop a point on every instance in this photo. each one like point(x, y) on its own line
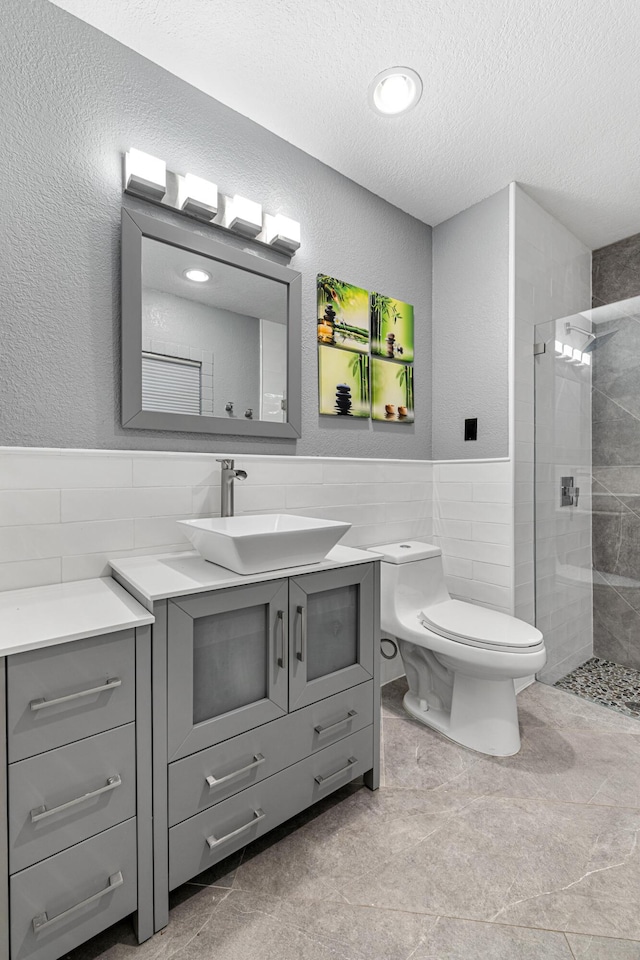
point(616, 458)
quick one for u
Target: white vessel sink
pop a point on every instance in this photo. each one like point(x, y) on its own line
point(257, 544)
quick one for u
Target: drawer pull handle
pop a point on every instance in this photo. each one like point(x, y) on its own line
point(41, 813)
point(258, 815)
point(330, 726)
point(280, 630)
point(42, 922)
point(350, 763)
point(215, 782)
point(110, 684)
point(302, 652)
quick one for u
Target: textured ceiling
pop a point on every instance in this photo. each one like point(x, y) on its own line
point(546, 92)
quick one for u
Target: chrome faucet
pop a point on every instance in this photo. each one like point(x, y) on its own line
point(229, 474)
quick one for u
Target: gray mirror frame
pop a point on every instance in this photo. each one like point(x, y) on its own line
point(136, 226)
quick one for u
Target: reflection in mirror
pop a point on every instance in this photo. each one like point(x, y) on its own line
point(214, 337)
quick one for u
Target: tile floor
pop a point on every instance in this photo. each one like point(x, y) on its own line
point(606, 682)
point(457, 857)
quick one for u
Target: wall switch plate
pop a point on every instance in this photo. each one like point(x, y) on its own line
point(471, 429)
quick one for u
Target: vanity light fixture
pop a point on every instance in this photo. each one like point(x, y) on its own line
point(243, 216)
point(145, 175)
point(197, 196)
point(282, 232)
point(559, 348)
point(395, 91)
point(197, 275)
point(586, 359)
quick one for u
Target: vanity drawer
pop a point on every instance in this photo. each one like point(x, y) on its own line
point(253, 756)
point(74, 895)
point(69, 794)
point(212, 835)
point(67, 692)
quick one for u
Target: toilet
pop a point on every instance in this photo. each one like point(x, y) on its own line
point(461, 660)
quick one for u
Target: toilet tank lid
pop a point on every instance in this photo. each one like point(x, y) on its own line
point(405, 551)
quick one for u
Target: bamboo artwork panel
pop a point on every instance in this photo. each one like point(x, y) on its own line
point(392, 391)
point(391, 328)
point(343, 314)
point(343, 383)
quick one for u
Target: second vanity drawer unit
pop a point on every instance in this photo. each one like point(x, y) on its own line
point(77, 846)
point(266, 699)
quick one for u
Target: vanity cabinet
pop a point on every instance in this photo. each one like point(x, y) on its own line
point(266, 699)
point(242, 657)
point(270, 707)
point(75, 779)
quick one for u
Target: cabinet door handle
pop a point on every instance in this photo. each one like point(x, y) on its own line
point(214, 782)
point(41, 813)
point(42, 921)
point(258, 815)
point(282, 655)
point(110, 684)
point(302, 650)
point(330, 726)
point(350, 763)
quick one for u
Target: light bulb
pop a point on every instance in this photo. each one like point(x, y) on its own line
point(395, 90)
point(198, 276)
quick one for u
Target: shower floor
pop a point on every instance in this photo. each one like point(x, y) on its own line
point(603, 681)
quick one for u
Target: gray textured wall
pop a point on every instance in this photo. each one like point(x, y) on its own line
point(471, 330)
point(73, 101)
point(234, 341)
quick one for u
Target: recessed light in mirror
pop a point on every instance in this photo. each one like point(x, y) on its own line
point(395, 91)
point(196, 275)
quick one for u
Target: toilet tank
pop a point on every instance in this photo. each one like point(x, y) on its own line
point(411, 578)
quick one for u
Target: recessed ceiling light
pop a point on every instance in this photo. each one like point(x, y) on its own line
point(198, 276)
point(395, 90)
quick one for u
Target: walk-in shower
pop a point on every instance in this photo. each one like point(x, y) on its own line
point(587, 501)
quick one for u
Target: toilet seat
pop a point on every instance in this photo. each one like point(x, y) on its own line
point(479, 626)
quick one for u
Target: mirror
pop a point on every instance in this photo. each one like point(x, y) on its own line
point(211, 335)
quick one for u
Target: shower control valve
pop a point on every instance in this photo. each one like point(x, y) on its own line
point(569, 493)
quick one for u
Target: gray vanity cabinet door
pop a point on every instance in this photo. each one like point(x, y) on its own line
point(227, 664)
point(331, 632)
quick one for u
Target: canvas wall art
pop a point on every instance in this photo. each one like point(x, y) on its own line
point(391, 328)
point(343, 382)
point(343, 314)
point(391, 391)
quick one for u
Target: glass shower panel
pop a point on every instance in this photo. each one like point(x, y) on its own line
point(563, 448)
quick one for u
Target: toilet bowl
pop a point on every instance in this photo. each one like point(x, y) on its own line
point(461, 659)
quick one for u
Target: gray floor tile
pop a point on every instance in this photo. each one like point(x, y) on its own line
point(600, 948)
point(573, 765)
point(542, 704)
point(261, 928)
point(524, 862)
point(356, 837)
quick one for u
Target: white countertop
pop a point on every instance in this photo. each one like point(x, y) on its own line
point(178, 574)
point(44, 616)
